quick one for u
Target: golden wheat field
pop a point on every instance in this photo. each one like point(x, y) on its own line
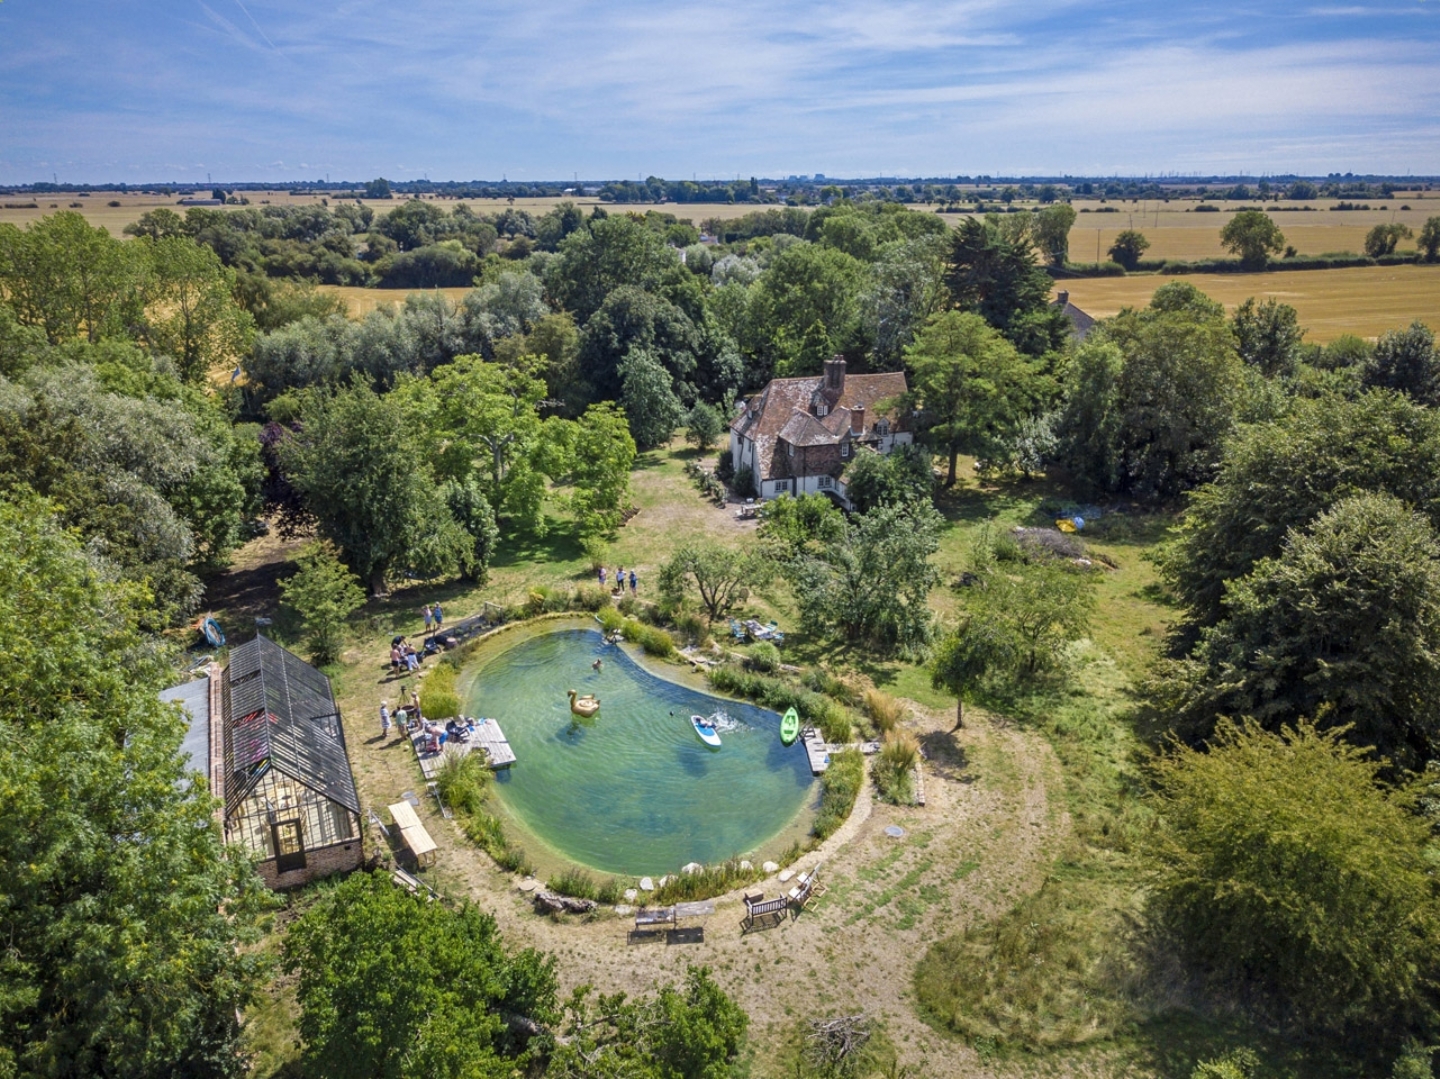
point(361, 301)
point(1364, 300)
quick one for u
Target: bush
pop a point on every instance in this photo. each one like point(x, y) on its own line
point(884, 710)
point(1236, 1064)
point(724, 467)
point(892, 771)
point(655, 642)
point(839, 787)
point(461, 780)
point(439, 698)
point(591, 597)
point(574, 882)
point(694, 628)
point(764, 657)
point(744, 483)
point(611, 620)
point(486, 833)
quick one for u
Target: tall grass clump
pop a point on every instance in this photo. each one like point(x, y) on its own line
point(706, 882)
point(485, 831)
point(655, 641)
point(611, 620)
point(577, 883)
point(764, 657)
point(892, 772)
point(839, 787)
point(439, 697)
point(884, 710)
point(461, 780)
point(590, 597)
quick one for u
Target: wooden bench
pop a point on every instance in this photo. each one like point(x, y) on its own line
point(762, 913)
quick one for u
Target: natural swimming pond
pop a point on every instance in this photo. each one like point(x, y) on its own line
point(634, 790)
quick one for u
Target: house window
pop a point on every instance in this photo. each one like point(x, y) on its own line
point(790, 449)
point(826, 483)
point(822, 410)
point(882, 427)
point(844, 449)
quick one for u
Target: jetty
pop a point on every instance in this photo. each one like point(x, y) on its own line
point(486, 736)
point(818, 750)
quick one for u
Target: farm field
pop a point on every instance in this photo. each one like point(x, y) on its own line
point(361, 301)
point(1363, 300)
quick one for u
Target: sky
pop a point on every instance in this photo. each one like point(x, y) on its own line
point(95, 91)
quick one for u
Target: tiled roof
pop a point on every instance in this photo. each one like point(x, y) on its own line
point(782, 411)
point(1080, 322)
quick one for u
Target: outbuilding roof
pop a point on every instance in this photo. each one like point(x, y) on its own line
point(279, 713)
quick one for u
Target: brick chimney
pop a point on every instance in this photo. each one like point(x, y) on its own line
point(857, 420)
point(1062, 298)
point(835, 376)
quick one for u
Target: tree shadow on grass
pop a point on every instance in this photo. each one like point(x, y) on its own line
point(558, 544)
point(1171, 1044)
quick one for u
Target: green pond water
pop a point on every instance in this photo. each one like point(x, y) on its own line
point(633, 790)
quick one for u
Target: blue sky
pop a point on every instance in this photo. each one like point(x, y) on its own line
point(133, 90)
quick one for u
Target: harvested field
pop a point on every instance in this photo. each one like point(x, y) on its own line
point(1364, 300)
point(361, 301)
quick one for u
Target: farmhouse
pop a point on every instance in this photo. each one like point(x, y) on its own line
point(1080, 322)
point(797, 435)
point(267, 732)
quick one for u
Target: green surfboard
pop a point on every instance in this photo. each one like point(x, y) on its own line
point(789, 727)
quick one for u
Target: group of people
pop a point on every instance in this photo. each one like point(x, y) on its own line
point(455, 730)
point(403, 656)
point(405, 718)
point(620, 579)
point(434, 617)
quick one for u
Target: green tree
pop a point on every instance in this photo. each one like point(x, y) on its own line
point(875, 479)
point(1253, 236)
point(70, 279)
point(1429, 240)
point(1343, 625)
point(871, 587)
point(906, 286)
point(609, 252)
point(1406, 360)
point(718, 575)
point(1038, 608)
point(454, 1000)
point(191, 312)
point(472, 512)
point(972, 387)
point(361, 473)
point(992, 272)
point(1381, 240)
point(1281, 475)
point(1269, 337)
point(125, 915)
point(1279, 865)
point(794, 525)
point(693, 1031)
point(804, 284)
point(648, 397)
point(1052, 232)
point(1129, 247)
point(323, 594)
point(1174, 400)
point(601, 454)
point(703, 425)
point(975, 651)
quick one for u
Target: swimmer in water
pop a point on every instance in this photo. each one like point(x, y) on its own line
point(598, 664)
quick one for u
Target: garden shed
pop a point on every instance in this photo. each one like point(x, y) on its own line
point(289, 794)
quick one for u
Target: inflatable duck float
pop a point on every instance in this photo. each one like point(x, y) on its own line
point(585, 706)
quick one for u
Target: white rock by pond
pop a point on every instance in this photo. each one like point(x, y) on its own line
point(786, 875)
point(630, 894)
point(744, 864)
point(646, 884)
point(529, 884)
point(690, 868)
point(770, 867)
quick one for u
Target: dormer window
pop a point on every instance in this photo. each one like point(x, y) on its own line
point(822, 409)
point(844, 449)
point(882, 427)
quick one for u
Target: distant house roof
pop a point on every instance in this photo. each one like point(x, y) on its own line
point(785, 410)
point(280, 713)
point(1080, 322)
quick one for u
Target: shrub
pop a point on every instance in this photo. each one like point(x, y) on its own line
point(655, 642)
point(439, 699)
point(461, 780)
point(591, 597)
point(610, 619)
point(892, 771)
point(693, 628)
point(884, 710)
point(839, 786)
point(1236, 1064)
point(486, 833)
point(744, 482)
point(724, 467)
point(574, 882)
point(764, 657)
point(778, 694)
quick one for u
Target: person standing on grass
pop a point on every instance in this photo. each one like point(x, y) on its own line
point(384, 720)
point(602, 576)
point(425, 613)
point(634, 581)
point(415, 705)
point(437, 615)
point(620, 578)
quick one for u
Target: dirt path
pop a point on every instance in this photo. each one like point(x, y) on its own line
point(990, 827)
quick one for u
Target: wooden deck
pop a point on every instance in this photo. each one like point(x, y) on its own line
point(487, 735)
point(818, 750)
